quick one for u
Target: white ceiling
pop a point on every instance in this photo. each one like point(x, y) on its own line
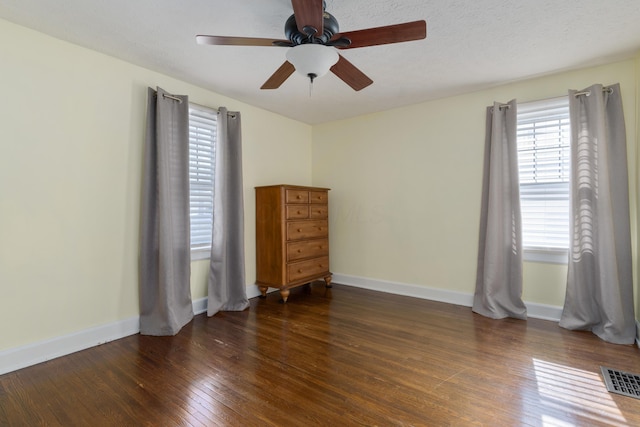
point(470, 45)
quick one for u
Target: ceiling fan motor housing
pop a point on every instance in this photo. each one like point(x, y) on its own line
point(313, 47)
point(297, 37)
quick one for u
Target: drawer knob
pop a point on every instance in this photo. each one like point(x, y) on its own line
point(299, 230)
point(299, 270)
point(299, 251)
point(299, 212)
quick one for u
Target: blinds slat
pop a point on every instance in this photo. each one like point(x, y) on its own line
point(544, 166)
point(202, 143)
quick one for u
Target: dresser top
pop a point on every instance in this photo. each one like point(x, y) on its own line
point(295, 187)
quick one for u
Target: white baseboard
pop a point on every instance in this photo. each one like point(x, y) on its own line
point(397, 288)
point(534, 310)
point(543, 311)
point(253, 291)
point(200, 306)
point(32, 354)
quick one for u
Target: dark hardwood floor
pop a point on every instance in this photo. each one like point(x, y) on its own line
point(336, 357)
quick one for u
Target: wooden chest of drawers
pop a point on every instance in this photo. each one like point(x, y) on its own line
point(292, 237)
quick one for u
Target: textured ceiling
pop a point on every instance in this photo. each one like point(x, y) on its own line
point(470, 45)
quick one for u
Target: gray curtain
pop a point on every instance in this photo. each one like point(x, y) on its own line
point(498, 291)
point(599, 294)
point(227, 285)
point(165, 292)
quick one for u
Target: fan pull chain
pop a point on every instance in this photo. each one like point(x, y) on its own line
point(311, 78)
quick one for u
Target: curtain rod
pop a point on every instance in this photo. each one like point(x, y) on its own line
point(606, 89)
point(164, 95)
point(500, 107)
point(609, 90)
point(230, 114)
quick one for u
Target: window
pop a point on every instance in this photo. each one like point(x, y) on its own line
point(202, 151)
point(544, 168)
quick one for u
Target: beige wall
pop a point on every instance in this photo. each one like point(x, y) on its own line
point(72, 129)
point(637, 170)
point(406, 185)
point(405, 198)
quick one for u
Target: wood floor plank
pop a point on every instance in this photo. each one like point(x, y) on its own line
point(342, 356)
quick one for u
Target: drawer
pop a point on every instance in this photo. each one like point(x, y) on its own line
point(297, 211)
point(310, 268)
point(298, 230)
point(321, 197)
point(318, 211)
point(307, 249)
point(297, 196)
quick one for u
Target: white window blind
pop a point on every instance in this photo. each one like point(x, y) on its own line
point(544, 165)
point(202, 151)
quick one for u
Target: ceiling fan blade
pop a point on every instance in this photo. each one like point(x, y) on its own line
point(309, 15)
point(350, 74)
point(279, 76)
point(240, 41)
point(408, 31)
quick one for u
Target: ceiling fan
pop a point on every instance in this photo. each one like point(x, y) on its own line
point(313, 37)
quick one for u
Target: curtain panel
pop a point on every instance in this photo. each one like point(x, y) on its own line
point(498, 291)
point(599, 295)
point(165, 265)
point(227, 285)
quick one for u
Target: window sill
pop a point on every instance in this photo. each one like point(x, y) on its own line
point(199, 254)
point(549, 256)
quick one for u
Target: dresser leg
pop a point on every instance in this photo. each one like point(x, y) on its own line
point(285, 294)
point(263, 291)
point(327, 282)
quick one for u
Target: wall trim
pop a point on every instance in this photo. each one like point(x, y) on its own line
point(253, 291)
point(32, 354)
point(638, 334)
point(410, 290)
point(21, 357)
point(534, 310)
point(199, 306)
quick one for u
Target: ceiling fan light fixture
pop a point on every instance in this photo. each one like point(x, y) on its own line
point(312, 60)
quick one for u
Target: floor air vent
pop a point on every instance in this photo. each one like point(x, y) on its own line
point(621, 382)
